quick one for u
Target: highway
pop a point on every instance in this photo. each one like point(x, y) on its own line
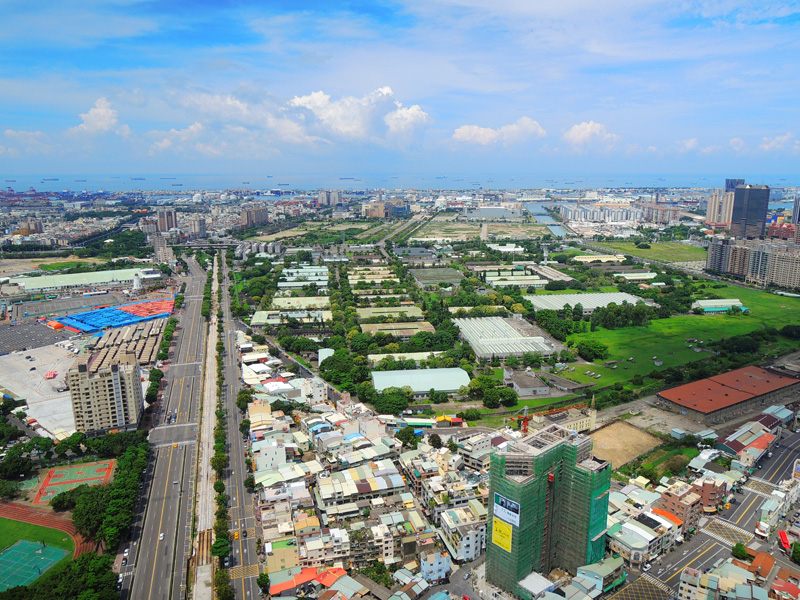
point(245, 563)
point(158, 566)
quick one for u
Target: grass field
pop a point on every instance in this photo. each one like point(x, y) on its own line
point(666, 338)
point(11, 531)
point(663, 251)
point(57, 266)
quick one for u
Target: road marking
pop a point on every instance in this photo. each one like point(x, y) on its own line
point(658, 583)
point(160, 522)
point(694, 560)
point(780, 466)
point(747, 509)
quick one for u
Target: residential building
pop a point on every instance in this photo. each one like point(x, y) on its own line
point(105, 397)
point(720, 209)
point(434, 566)
point(463, 531)
point(712, 492)
point(683, 502)
point(724, 582)
point(547, 506)
point(166, 219)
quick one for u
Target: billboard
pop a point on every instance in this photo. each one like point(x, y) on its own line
point(796, 471)
point(506, 509)
point(501, 534)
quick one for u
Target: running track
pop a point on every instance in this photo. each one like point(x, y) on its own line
point(27, 514)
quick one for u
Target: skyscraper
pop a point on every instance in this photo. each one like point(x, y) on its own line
point(732, 184)
point(796, 212)
point(720, 209)
point(749, 216)
point(548, 500)
point(166, 219)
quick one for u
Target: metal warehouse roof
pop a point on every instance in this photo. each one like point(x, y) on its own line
point(588, 301)
point(421, 380)
point(45, 282)
point(493, 336)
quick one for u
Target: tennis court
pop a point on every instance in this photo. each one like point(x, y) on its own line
point(25, 561)
point(62, 479)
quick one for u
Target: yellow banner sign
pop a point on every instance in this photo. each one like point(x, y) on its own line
point(501, 534)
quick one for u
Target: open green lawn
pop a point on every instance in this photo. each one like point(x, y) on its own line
point(663, 251)
point(12, 531)
point(666, 338)
point(69, 264)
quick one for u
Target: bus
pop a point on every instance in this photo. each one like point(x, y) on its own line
point(786, 547)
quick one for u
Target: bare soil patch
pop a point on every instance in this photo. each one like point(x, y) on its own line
point(621, 442)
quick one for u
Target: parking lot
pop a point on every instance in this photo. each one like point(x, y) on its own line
point(26, 336)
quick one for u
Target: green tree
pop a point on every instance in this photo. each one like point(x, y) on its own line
point(435, 440)
point(219, 486)
point(262, 581)
point(739, 551)
point(796, 552)
point(452, 446)
point(408, 437)
point(220, 547)
point(648, 471)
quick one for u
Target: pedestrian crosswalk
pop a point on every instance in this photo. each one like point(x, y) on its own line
point(658, 583)
point(245, 571)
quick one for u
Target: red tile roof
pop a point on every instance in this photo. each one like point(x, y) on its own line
point(329, 577)
point(304, 576)
point(785, 588)
point(667, 515)
point(727, 389)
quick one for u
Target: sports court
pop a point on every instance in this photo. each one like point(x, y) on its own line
point(62, 479)
point(25, 561)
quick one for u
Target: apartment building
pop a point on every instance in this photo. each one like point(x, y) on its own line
point(681, 500)
point(463, 531)
point(105, 396)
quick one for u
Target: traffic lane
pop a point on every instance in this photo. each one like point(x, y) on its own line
point(747, 505)
point(156, 554)
point(183, 534)
point(780, 466)
point(701, 557)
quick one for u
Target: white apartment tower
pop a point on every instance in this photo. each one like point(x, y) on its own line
point(105, 396)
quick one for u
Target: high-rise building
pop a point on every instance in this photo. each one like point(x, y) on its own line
point(720, 209)
point(749, 218)
point(252, 217)
point(166, 219)
point(732, 184)
point(105, 396)
point(328, 198)
point(796, 211)
point(548, 502)
point(197, 227)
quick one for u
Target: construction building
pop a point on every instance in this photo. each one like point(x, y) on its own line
point(548, 502)
point(105, 396)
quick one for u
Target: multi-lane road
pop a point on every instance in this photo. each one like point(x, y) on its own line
point(715, 537)
point(245, 562)
point(161, 539)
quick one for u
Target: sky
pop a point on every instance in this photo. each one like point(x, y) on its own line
point(521, 89)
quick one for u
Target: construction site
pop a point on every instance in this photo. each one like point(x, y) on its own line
point(142, 340)
point(545, 489)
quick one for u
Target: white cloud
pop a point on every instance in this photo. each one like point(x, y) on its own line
point(589, 131)
point(31, 142)
point(175, 138)
point(738, 144)
point(776, 143)
point(101, 118)
point(406, 119)
point(362, 118)
point(687, 145)
point(525, 128)
point(711, 149)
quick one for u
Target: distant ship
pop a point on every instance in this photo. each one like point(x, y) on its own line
point(11, 181)
point(343, 178)
point(50, 179)
point(269, 176)
point(169, 178)
point(82, 180)
point(137, 178)
point(284, 184)
point(177, 185)
point(245, 183)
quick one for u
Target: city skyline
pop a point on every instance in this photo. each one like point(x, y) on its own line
point(456, 88)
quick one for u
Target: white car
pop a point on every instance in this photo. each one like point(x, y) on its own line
point(126, 553)
point(160, 536)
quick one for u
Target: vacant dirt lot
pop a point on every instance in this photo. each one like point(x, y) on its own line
point(620, 443)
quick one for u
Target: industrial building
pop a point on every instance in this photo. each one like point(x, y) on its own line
point(421, 381)
point(548, 503)
point(398, 330)
point(498, 337)
point(105, 397)
point(729, 395)
point(85, 281)
point(589, 302)
point(410, 312)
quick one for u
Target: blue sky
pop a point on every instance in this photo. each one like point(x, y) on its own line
point(446, 86)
